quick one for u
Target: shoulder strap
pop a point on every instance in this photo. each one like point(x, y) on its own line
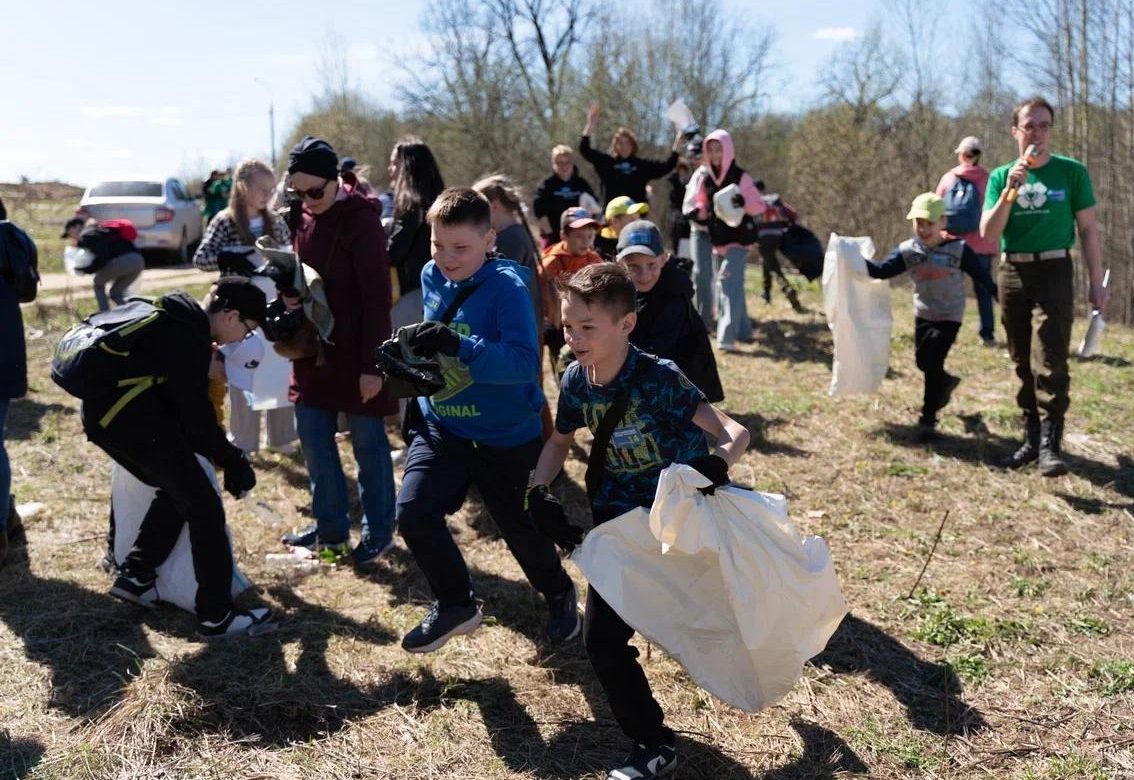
point(462, 296)
point(596, 462)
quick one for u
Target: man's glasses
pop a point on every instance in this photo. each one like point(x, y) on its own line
point(314, 193)
point(1039, 126)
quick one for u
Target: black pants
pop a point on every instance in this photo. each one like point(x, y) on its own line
point(770, 262)
point(146, 441)
point(933, 340)
point(439, 468)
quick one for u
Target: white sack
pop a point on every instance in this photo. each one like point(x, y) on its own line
point(271, 378)
point(130, 499)
point(858, 313)
point(722, 583)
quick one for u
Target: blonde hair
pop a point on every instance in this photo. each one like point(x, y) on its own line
point(628, 134)
point(498, 187)
point(242, 178)
point(561, 149)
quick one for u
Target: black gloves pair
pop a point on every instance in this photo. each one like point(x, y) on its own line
point(715, 468)
point(238, 263)
point(427, 339)
point(550, 519)
point(239, 477)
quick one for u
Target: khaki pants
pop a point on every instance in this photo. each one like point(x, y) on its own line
point(1037, 309)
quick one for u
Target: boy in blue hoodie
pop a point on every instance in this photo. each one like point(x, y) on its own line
point(483, 428)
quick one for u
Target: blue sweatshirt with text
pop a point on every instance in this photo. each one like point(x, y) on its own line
point(492, 394)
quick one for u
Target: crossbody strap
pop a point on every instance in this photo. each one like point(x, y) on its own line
point(596, 462)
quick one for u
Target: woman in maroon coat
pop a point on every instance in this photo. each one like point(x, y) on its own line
point(340, 236)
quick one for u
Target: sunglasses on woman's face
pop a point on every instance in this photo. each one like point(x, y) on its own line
point(314, 193)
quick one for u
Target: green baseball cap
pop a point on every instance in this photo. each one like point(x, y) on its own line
point(927, 205)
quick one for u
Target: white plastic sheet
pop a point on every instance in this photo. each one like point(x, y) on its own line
point(724, 583)
point(130, 499)
point(858, 313)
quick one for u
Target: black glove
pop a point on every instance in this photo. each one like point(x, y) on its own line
point(550, 519)
point(239, 477)
point(738, 200)
point(715, 468)
point(239, 263)
point(428, 338)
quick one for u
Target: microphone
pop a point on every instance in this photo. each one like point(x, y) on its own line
point(1029, 160)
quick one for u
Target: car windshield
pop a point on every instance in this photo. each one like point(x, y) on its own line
point(118, 189)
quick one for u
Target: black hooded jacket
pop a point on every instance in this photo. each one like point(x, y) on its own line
point(669, 327)
point(553, 196)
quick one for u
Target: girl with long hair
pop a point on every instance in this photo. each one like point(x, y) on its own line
point(416, 182)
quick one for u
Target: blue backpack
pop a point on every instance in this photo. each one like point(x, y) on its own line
point(962, 208)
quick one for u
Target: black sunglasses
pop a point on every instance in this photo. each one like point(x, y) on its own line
point(315, 193)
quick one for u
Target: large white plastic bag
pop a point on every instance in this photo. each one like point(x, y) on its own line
point(723, 583)
point(271, 378)
point(858, 313)
point(130, 499)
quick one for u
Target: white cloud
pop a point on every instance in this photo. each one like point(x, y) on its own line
point(110, 111)
point(169, 116)
point(835, 34)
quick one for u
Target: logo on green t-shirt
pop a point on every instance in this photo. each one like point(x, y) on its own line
point(1033, 195)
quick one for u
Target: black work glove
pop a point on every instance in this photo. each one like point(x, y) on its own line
point(550, 519)
point(426, 339)
point(738, 200)
point(715, 468)
point(239, 263)
point(239, 477)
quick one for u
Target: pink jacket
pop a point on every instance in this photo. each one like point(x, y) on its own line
point(978, 176)
point(753, 201)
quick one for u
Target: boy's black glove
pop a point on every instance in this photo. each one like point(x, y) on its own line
point(239, 477)
point(238, 263)
point(713, 467)
point(550, 519)
point(738, 200)
point(429, 338)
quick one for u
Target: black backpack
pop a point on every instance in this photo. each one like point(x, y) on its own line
point(19, 262)
point(90, 358)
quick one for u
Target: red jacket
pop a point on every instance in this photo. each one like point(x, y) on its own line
point(356, 275)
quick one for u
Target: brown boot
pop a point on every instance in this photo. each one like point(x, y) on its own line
point(1051, 463)
point(1029, 450)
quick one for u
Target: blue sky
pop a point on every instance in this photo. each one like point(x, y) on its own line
point(93, 90)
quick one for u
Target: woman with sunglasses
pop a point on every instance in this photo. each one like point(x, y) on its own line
point(416, 182)
point(340, 236)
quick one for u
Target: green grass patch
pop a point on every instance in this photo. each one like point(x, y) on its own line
point(898, 468)
point(971, 668)
point(1088, 626)
point(940, 624)
point(1113, 678)
point(1024, 587)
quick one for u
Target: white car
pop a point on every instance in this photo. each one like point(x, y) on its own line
point(166, 217)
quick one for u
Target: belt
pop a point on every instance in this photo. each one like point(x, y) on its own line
point(1033, 257)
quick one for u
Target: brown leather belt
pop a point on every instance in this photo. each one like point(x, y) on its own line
point(1034, 257)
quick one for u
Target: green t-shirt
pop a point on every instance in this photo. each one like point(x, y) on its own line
point(1043, 216)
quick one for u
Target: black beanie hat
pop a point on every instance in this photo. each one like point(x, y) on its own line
point(314, 156)
point(241, 294)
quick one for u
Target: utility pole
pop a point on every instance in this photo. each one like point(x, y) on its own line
point(271, 118)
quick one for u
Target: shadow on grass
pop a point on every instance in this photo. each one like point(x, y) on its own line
point(1092, 506)
point(1106, 360)
point(930, 692)
point(792, 340)
point(826, 756)
point(758, 427)
point(25, 417)
point(18, 757)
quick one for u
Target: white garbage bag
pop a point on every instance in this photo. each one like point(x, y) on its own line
point(722, 583)
point(271, 378)
point(130, 499)
point(858, 313)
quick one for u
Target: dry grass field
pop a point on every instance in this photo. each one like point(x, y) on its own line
point(1013, 657)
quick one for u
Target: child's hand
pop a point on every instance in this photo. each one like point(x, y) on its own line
point(714, 468)
point(550, 519)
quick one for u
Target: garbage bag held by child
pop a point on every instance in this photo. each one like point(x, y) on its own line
point(858, 313)
point(723, 583)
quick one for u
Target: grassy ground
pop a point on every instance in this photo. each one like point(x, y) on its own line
point(1013, 658)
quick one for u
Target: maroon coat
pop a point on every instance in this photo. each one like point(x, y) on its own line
point(356, 276)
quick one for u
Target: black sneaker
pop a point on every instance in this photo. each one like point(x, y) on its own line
point(647, 762)
point(308, 537)
point(442, 624)
point(243, 622)
point(563, 622)
point(367, 551)
point(16, 534)
point(951, 383)
point(136, 590)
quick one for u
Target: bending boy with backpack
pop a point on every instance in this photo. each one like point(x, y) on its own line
point(645, 416)
point(142, 374)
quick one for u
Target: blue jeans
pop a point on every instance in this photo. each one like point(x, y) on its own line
point(984, 302)
point(5, 468)
point(329, 502)
point(732, 319)
point(703, 288)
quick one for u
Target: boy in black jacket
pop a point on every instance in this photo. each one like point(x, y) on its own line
point(152, 418)
point(668, 326)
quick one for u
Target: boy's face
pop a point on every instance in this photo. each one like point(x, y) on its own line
point(228, 327)
point(644, 269)
point(460, 249)
point(929, 232)
point(594, 333)
point(581, 239)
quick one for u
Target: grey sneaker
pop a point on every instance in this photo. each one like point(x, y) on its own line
point(442, 624)
point(244, 622)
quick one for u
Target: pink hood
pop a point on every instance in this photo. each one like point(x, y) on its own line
point(728, 154)
point(978, 176)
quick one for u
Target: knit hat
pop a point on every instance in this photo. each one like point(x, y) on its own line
point(240, 294)
point(313, 156)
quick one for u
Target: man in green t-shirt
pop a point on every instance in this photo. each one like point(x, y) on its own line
point(1033, 206)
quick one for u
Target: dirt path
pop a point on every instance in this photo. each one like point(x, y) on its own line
point(56, 289)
